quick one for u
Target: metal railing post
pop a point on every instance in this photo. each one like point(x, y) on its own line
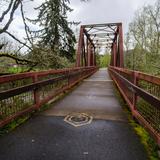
point(36, 93)
point(135, 81)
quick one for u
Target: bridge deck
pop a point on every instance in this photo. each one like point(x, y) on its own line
point(95, 96)
point(48, 137)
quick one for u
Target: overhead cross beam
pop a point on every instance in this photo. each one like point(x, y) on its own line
point(92, 36)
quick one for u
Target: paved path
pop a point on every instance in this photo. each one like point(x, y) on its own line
point(95, 96)
point(48, 137)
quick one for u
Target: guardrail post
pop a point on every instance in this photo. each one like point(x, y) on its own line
point(135, 81)
point(69, 77)
point(36, 92)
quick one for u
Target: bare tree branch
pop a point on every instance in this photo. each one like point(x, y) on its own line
point(11, 35)
point(27, 31)
point(15, 6)
point(18, 60)
point(6, 11)
point(2, 45)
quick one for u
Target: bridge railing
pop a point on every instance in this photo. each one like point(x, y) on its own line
point(142, 93)
point(26, 92)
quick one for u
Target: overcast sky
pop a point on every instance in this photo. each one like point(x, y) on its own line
point(94, 11)
point(104, 11)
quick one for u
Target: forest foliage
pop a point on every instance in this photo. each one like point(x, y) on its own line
point(103, 60)
point(52, 43)
point(49, 44)
point(142, 42)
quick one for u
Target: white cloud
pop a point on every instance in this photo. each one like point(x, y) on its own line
point(102, 11)
point(94, 11)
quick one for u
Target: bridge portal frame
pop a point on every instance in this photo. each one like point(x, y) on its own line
point(94, 36)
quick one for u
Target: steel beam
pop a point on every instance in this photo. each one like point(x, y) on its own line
point(101, 25)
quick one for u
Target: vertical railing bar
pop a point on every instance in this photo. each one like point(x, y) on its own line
point(36, 92)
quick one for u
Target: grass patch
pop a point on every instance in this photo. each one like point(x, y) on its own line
point(15, 123)
point(22, 119)
point(148, 142)
point(18, 69)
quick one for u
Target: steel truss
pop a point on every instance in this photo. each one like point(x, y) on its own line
point(94, 36)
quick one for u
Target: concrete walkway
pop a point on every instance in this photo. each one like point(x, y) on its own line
point(95, 96)
point(48, 137)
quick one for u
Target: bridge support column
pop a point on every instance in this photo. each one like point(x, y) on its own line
point(79, 50)
point(87, 52)
point(90, 55)
point(120, 41)
point(93, 59)
point(117, 48)
point(95, 63)
point(114, 54)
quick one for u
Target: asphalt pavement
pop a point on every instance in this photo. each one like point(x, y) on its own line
point(48, 137)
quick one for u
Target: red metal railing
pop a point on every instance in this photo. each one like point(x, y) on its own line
point(142, 93)
point(25, 92)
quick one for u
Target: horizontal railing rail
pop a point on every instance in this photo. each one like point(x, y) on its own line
point(26, 92)
point(142, 93)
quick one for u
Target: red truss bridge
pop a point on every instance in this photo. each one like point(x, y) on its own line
point(88, 122)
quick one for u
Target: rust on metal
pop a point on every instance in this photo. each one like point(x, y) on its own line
point(94, 36)
point(25, 92)
point(144, 103)
point(17, 98)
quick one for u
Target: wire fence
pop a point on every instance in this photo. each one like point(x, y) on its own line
point(142, 93)
point(26, 92)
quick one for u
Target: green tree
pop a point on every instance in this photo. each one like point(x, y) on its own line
point(103, 60)
point(55, 32)
point(142, 41)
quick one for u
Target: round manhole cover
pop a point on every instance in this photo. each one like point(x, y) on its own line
point(78, 119)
